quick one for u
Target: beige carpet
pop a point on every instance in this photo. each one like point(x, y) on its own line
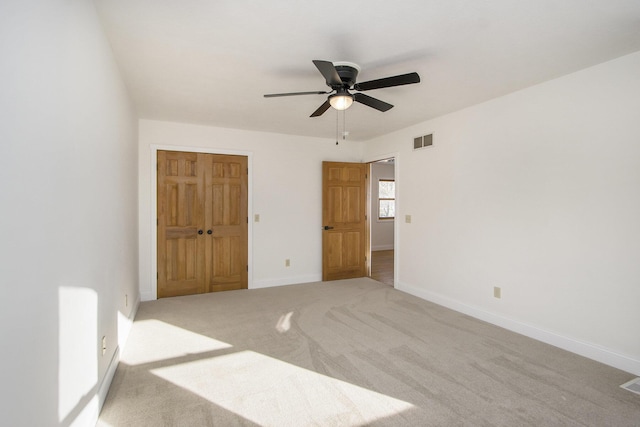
point(348, 353)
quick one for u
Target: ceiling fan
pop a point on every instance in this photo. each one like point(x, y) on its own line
point(341, 77)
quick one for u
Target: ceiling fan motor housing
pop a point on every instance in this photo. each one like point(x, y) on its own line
point(348, 73)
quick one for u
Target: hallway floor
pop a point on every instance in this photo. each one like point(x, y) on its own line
point(382, 266)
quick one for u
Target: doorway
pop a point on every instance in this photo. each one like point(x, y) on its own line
point(358, 211)
point(202, 221)
point(382, 211)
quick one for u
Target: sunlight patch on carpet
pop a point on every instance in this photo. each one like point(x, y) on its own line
point(284, 323)
point(633, 386)
point(266, 391)
point(176, 342)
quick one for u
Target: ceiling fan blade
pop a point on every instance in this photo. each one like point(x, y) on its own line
point(372, 102)
point(274, 95)
point(402, 79)
point(320, 111)
point(328, 70)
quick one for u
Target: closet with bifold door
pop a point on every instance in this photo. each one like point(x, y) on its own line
point(202, 223)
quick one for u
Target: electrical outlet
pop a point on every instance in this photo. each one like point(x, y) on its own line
point(497, 292)
point(104, 345)
point(256, 218)
point(287, 262)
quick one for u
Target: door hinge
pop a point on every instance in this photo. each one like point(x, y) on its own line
point(247, 268)
point(247, 220)
point(157, 166)
point(157, 275)
point(365, 217)
point(157, 221)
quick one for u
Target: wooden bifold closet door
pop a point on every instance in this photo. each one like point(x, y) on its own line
point(202, 223)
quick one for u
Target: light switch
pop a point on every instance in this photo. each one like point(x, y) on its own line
point(256, 218)
point(407, 219)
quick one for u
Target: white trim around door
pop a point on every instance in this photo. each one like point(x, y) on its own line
point(396, 223)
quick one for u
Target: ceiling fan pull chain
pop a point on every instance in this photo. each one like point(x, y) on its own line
point(337, 125)
point(344, 124)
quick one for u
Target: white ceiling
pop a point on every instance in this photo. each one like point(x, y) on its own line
point(210, 61)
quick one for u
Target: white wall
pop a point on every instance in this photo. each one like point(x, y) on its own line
point(285, 190)
point(68, 231)
point(537, 192)
point(381, 230)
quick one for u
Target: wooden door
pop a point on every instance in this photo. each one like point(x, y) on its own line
point(226, 217)
point(344, 220)
point(180, 216)
point(202, 223)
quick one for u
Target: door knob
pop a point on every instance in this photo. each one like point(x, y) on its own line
point(326, 227)
point(209, 231)
point(200, 231)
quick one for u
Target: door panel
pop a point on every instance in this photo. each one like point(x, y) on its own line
point(343, 211)
point(180, 211)
point(206, 193)
point(353, 253)
point(226, 216)
point(334, 210)
point(332, 245)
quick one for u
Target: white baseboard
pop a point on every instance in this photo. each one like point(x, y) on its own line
point(124, 328)
point(108, 378)
point(259, 284)
point(88, 415)
point(591, 351)
point(283, 281)
point(382, 248)
point(125, 323)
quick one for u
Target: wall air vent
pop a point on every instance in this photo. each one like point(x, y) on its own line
point(422, 141)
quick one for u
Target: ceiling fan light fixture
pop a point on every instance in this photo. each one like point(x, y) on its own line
point(341, 101)
point(341, 77)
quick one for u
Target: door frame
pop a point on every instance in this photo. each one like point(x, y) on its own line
point(153, 211)
point(396, 222)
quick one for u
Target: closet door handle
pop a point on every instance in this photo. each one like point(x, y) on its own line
point(209, 231)
point(200, 231)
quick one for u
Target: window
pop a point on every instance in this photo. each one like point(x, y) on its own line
point(386, 199)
